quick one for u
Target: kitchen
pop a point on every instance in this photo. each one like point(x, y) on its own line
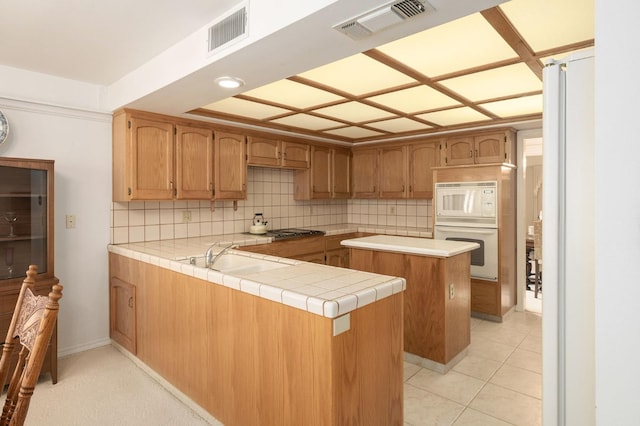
point(81, 142)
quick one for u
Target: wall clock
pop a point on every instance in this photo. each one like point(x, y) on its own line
point(4, 128)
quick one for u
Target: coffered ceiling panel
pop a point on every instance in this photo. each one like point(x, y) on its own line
point(294, 94)
point(483, 69)
point(454, 116)
point(546, 24)
point(415, 99)
point(241, 107)
point(357, 75)
point(458, 45)
point(515, 107)
point(495, 83)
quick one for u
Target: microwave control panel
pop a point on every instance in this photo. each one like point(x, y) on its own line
point(488, 202)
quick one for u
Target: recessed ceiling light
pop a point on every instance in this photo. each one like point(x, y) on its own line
point(229, 82)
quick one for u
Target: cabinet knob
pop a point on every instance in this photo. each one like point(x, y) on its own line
point(131, 302)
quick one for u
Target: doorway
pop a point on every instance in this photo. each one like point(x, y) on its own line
point(529, 177)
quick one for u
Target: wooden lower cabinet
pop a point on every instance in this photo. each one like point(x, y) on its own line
point(436, 326)
point(122, 313)
point(249, 360)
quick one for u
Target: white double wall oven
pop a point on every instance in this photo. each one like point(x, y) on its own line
point(468, 211)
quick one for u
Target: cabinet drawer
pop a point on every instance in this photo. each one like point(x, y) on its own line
point(333, 242)
point(293, 248)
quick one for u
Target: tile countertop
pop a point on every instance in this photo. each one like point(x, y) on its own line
point(411, 245)
point(319, 289)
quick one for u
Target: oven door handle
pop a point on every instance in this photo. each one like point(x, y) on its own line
point(469, 230)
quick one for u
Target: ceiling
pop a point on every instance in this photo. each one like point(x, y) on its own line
point(424, 76)
point(481, 70)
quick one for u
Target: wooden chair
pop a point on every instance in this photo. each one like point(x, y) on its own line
point(33, 322)
point(537, 255)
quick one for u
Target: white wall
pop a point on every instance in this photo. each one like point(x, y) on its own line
point(80, 144)
point(617, 233)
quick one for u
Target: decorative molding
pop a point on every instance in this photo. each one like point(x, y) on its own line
point(44, 108)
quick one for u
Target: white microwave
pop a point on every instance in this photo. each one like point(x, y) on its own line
point(467, 203)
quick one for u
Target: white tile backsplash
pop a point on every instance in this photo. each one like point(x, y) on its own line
point(270, 192)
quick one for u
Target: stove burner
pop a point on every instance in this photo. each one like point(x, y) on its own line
point(281, 234)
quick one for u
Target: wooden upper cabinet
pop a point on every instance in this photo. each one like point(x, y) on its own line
point(194, 163)
point(150, 175)
point(393, 172)
point(295, 155)
point(480, 149)
point(422, 158)
point(275, 153)
point(364, 165)
point(459, 151)
point(230, 153)
point(320, 172)
point(341, 173)
point(490, 148)
point(328, 176)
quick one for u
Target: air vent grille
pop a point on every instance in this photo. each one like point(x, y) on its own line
point(409, 8)
point(383, 17)
point(228, 29)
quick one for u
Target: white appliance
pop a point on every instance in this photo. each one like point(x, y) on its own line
point(467, 211)
point(568, 251)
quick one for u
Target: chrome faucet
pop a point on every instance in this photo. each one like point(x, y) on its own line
point(210, 258)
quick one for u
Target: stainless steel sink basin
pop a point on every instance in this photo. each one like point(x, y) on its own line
point(236, 264)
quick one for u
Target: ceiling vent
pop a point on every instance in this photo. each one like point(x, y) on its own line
point(231, 28)
point(383, 17)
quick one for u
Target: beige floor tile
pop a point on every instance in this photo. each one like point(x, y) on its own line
point(409, 370)
point(453, 385)
point(475, 322)
point(504, 335)
point(491, 350)
point(508, 405)
point(471, 417)
point(425, 408)
point(532, 343)
point(478, 367)
point(519, 380)
point(528, 360)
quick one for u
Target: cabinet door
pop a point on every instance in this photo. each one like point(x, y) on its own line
point(490, 148)
point(320, 172)
point(151, 167)
point(231, 166)
point(122, 318)
point(459, 151)
point(422, 158)
point(263, 152)
point(339, 258)
point(295, 155)
point(341, 173)
point(393, 172)
point(194, 163)
point(365, 173)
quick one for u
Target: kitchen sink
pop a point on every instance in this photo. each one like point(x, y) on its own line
point(235, 264)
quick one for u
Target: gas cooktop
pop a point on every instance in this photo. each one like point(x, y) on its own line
point(283, 234)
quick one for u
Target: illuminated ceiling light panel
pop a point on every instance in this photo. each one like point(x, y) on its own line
point(348, 75)
point(353, 132)
point(451, 117)
point(420, 98)
point(244, 108)
point(495, 83)
point(513, 107)
point(399, 125)
point(306, 121)
point(287, 92)
point(454, 46)
point(354, 111)
point(558, 23)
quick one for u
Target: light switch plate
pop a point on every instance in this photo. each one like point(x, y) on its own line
point(71, 221)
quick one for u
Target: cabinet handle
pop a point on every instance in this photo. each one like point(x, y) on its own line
point(131, 302)
point(470, 153)
point(476, 153)
point(171, 184)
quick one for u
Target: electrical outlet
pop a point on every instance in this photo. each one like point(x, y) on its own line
point(186, 216)
point(71, 221)
point(391, 210)
point(451, 291)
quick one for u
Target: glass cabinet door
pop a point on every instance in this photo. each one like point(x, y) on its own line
point(23, 221)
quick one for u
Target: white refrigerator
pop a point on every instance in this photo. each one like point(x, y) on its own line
point(568, 247)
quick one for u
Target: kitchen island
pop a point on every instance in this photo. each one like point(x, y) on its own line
point(298, 344)
point(437, 300)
